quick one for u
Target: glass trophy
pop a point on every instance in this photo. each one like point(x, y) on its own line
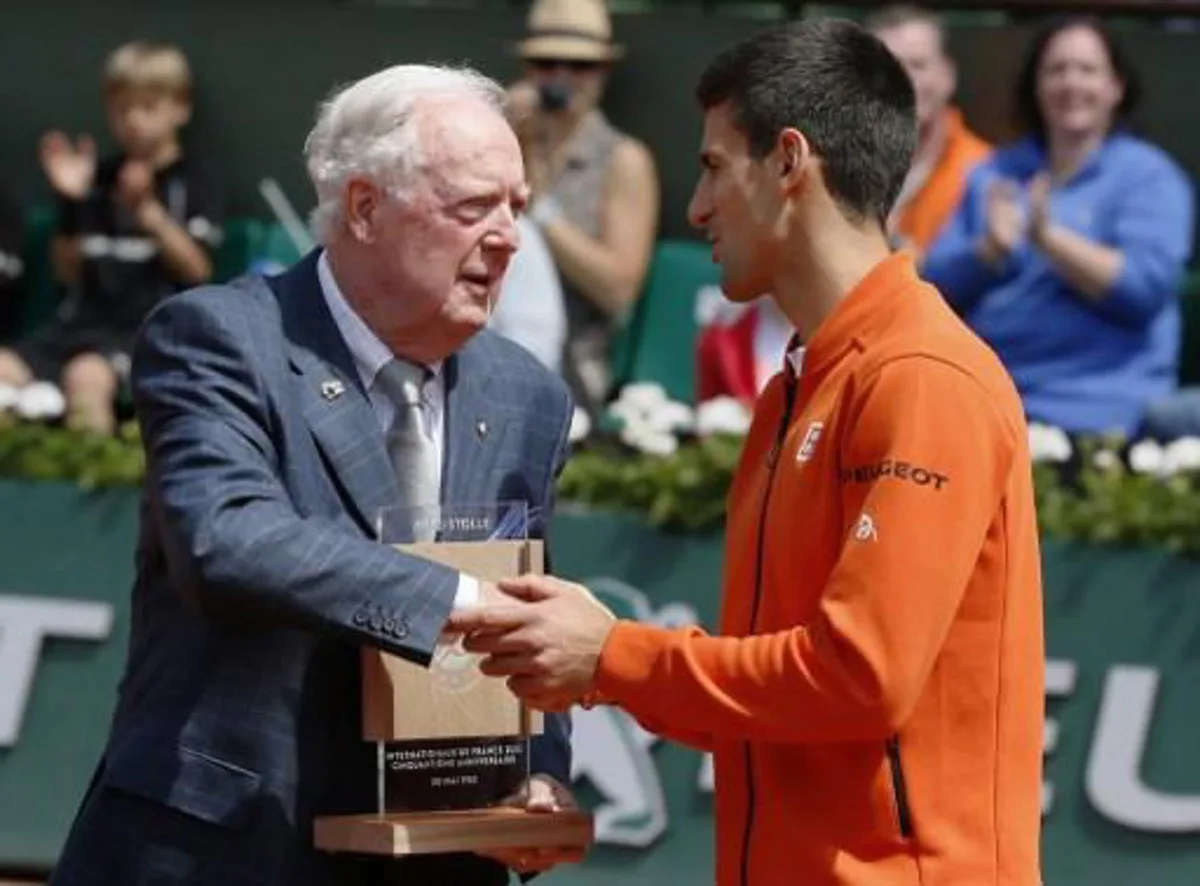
point(456, 740)
point(452, 745)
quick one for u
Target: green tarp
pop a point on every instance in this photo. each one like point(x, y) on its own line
point(1123, 632)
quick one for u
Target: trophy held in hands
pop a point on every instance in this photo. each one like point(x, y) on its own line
point(453, 745)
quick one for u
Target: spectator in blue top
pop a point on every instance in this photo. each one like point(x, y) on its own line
point(1069, 249)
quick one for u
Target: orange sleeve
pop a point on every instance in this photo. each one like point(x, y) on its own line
point(925, 463)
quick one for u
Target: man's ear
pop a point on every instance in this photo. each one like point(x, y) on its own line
point(795, 158)
point(360, 206)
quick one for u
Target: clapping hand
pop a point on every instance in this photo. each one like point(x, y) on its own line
point(1039, 206)
point(70, 168)
point(522, 107)
point(523, 112)
point(135, 183)
point(1004, 220)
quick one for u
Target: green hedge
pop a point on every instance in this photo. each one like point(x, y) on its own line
point(1094, 495)
point(34, 451)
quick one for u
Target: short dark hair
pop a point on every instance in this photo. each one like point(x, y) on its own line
point(1029, 113)
point(839, 85)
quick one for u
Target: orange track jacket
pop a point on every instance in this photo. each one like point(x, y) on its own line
point(875, 701)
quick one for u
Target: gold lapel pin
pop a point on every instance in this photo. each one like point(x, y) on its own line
point(332, 389)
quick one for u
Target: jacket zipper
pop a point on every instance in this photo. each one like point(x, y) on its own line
point(899, 789)
point(772, 460)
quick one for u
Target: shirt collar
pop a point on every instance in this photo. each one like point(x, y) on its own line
point(795, 356)
point(866, 310)
point(1036, 156)
point(369, 353)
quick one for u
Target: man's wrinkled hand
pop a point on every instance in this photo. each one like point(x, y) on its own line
point(546, 794)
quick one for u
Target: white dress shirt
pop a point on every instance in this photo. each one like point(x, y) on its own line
point(370, 355)
point(772, 334)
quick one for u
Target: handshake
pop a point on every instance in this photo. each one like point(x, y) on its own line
point(543, 634)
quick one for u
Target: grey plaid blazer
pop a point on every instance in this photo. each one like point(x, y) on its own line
point(238, 715)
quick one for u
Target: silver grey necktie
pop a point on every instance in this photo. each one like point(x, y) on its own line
point(413, 453)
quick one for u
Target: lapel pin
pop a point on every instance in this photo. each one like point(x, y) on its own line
point(481, 429)
point(332, 389)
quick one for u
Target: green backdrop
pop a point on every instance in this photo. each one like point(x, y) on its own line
point(262, 65)
point(1123, 630)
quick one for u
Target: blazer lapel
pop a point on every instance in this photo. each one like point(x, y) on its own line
point(474, 428)
point(333, 401)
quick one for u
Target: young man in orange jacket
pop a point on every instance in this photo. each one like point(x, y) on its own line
point(874, 701)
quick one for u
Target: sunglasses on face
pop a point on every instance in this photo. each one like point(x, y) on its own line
point(575, 66)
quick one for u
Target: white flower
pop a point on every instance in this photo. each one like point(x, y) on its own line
point(581, 425)
point(1182, 455)
point(628, 412)
point(649, 440)
point(1047, 443)
point(646, 405)
point(9, 397)
point(40, 400)
point(1146, 457)
point(1105, 460)
point(673, 416)
point(643, 395)
point(722, 415)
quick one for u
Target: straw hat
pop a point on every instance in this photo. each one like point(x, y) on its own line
point(569, 30)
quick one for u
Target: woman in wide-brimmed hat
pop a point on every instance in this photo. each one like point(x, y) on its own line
point(595, 189)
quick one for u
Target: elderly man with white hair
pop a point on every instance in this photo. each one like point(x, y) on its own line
point(279, 417)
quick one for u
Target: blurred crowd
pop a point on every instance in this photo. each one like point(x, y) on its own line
point(1065, 250)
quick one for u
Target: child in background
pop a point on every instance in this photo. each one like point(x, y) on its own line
point(132, 229)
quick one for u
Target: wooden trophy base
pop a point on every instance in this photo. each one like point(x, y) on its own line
point(473, 830)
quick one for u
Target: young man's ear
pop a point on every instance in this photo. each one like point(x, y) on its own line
point(794, 156)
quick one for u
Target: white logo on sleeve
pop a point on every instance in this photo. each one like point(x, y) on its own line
point(809, 444)
point(865, 529)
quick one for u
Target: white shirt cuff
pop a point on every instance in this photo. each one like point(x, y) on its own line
point(467, 595)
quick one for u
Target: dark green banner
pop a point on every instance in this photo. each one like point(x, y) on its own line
point(1122, 791)
point(250, 118)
